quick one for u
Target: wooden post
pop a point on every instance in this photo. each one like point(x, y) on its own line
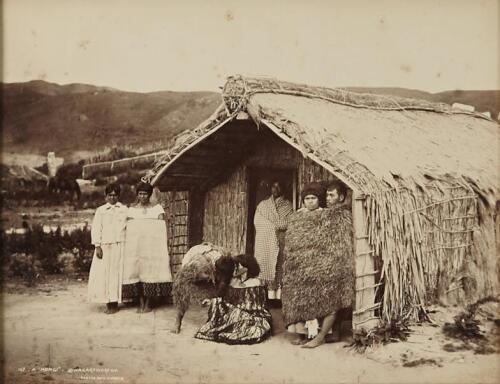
point(364, 309)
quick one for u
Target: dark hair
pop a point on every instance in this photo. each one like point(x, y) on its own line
point(224, 269)
point(144, 187)
point(341, 188)
point(278, 181)
point(315, 189)
point(250, 263)
point(113, 187)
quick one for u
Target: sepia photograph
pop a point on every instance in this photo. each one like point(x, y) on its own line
point(236, 192)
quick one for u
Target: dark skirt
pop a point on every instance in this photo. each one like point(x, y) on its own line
point(240, 318)
point(131, 291)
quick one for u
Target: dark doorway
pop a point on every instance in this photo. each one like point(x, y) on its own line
point(259, 188)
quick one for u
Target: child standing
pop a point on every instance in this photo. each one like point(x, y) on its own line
point(108, 235)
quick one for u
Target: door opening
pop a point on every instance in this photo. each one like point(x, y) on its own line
point(259, 188)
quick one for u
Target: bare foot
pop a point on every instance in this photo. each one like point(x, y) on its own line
point(140, 310)
point(111, 308)
point(176, 328)
point(299, 341)
point(146, 310)
point(316, 342)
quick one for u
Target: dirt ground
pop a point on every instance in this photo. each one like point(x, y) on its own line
point(52, 334)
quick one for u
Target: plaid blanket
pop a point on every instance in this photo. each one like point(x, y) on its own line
point(271, 220)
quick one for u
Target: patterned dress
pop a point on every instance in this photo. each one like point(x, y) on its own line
point(240, 318)
point(146, 268)
point(271, 219)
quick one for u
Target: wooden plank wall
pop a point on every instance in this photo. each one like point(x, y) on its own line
point(274, 153)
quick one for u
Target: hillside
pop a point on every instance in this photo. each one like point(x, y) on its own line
point(82, 119)
point(79, 120)
point(482, 100)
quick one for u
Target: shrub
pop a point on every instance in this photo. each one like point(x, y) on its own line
point(78, 242)
point(28, 255)
point(46, 248)
point(24, 266)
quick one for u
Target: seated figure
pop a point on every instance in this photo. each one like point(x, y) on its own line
point(239, 314)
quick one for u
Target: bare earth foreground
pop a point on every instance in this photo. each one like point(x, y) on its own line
point(52, 335)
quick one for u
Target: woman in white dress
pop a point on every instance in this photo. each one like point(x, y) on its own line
point(146, 272)
point(108, 234)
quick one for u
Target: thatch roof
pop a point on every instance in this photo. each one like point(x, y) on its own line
point(418, 163)
point(371, 142)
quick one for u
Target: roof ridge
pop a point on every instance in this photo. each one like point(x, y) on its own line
point(238, 89)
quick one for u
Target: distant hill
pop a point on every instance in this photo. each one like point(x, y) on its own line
point(482, 100)
point(77, 119)
point(39, 117)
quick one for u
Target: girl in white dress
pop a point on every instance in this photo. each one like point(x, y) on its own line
point(146, 272)
point(108, 235)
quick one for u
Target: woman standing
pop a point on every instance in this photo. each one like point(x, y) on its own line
point(271, 220)
point(318, 275)
point(108, 234)
point(146, 271)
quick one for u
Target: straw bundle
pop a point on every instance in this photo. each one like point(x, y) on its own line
point(318, 271)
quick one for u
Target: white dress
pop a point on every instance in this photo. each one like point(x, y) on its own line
point(146, 258)
point(108, 232)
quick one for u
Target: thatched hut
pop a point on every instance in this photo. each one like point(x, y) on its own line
point(423, 178)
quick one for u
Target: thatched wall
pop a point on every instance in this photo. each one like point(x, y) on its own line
point(435, 246)
point(225, 218)
point(175, 205)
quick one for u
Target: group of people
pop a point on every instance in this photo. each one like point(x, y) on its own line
point(306, 259)
point(302, 261)
point(131, 261)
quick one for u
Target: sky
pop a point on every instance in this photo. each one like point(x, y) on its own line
point(190, 45)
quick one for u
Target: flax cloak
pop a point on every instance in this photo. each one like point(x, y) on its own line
point(318, 269)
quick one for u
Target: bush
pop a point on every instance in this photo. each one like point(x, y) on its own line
point(46, 248)
point(24, 266)
point(78, 242)
point(43, 251)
